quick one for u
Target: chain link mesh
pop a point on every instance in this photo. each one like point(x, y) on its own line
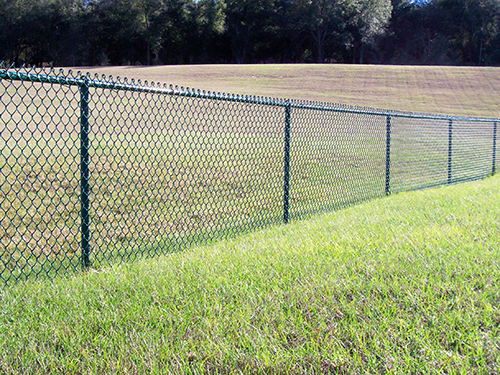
point(163, 168)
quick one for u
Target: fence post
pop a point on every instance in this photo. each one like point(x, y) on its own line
point(84, 172)
point(286, 186)
point(450, 144)
point(388, 157)
point(493, 169)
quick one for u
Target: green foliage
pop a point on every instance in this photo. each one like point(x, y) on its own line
point(475, 30)
point(119, 32)
point(446, 31)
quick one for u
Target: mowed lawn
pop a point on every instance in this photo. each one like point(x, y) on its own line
point(457, 91)
point(404, 284)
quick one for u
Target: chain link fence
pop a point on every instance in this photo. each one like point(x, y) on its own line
point(95, 170)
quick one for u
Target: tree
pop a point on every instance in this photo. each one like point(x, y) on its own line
point(207, 24)
point(471, 26)
point(248, 22)
point(173, 25)
point(413, 34)
point(148, 11)
point(89, 32)
point(322, 20)
point(368, 19)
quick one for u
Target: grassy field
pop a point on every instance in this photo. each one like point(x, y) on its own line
point(458, 91)
point(170, 172)
point(405, 284)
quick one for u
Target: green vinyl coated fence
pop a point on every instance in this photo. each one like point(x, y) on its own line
point(96, 170)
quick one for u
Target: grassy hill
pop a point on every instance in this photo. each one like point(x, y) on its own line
point(462, 91)
point(405, 284)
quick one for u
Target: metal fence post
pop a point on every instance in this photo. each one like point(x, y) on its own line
point(388, 158)
point(450, 144)
point(84, 172)
point(286, 186)
point(493, 169)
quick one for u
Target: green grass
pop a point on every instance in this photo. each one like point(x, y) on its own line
point(405, 284)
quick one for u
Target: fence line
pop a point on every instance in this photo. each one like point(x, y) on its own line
point(161, 168)
point(157, 88)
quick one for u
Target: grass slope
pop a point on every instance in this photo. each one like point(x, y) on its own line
point(405, 284)
point(459, 91)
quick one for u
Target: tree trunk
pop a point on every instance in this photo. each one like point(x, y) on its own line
point(147, 57)
point(480, 62)
point(320, 59)
point(319, 37)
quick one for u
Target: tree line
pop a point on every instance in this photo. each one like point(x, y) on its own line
point(147, 32)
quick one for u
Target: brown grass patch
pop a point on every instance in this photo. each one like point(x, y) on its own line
point(459, 91)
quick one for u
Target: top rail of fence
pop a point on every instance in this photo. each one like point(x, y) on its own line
point(103, 82)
